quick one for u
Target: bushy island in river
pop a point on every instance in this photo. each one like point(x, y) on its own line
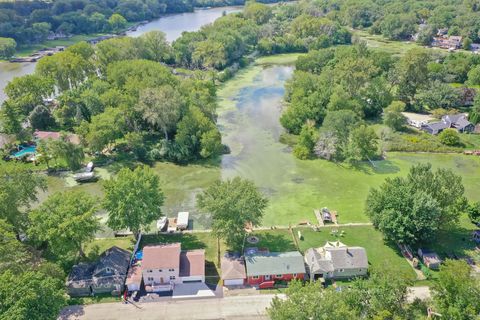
point(147, 96)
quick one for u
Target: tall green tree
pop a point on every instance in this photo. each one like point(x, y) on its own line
point(393, 117)
point(133, 199)
point(337, 127)
point(161, 108)
point(28, 91)
point(18, 191)
point(198, 134)
point(411, 74)
point(302, 302)
point(232, 204)
point(10, 118)
point(66, 221)
point(155, 47)
point(7, 47)
point(381, 296)
point(14, 255)
point(117, 22)
point(412, 209)
point(62, 150)
point(363, 144)
point(31, 295)
point(306, 141)
point(456, 292)
point(103, 130)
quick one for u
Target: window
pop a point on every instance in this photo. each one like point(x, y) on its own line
point(171, 269)
point(159, 270)
point(255, 277)
point(150, 279)
point(109, 270)
point(341, 270)
point(149, 270)
point(294, 275)
point(279, 275)
point(172, 277)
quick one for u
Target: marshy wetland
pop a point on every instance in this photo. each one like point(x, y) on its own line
point(248, 117)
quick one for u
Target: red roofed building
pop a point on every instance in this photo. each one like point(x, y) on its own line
point(165, 265)
point(192, 266)
point(45, 135)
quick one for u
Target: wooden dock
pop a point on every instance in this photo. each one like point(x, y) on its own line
point(318, 215)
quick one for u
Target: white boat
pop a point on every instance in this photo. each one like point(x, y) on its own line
point(84, 177)
point(89, 167)
point(161, 223)
point(182, 220)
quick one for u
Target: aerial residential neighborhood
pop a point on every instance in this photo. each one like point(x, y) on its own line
point(239, 159)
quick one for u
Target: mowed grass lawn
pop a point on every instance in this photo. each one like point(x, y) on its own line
point(379, 253)
point(345, 189)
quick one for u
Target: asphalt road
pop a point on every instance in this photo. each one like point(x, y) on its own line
point(235, 307)
point(240, 307)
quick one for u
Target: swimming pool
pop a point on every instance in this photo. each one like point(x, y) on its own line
point(24, 150)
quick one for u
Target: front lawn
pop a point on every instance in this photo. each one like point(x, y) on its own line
point(379, 253)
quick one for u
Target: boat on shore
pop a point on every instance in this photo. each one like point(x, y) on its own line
point(85, 177)
point(161, 224)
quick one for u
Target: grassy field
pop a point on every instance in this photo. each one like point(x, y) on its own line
point(379, 253)
point(28, 50)
point(397, 48)
point(279, 59)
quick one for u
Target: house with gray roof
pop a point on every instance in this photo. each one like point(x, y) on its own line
point(454, 121)
point(335, 260)
point(266, 268)
point(106, 275)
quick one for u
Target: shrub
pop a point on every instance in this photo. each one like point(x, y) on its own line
point(449, 137)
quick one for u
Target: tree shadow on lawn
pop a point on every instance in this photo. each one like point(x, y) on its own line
point(274, 242)
point(189, 241)
point(366, 167)
point(455, 241)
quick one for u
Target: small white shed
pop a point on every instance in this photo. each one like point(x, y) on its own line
point(182, 220)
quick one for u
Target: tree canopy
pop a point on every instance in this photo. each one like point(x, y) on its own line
point(66, 221)
point(412, 209)
point(133, 199)
point(381, 296)
point(18, 190)
point(456, 291)
point(233, 204)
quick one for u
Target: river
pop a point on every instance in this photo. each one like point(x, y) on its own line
point(173, 25)
point(250, 105)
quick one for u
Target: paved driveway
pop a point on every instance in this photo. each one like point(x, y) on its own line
point(237, 307)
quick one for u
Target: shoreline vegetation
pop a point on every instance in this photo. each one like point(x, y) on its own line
point(189, 138)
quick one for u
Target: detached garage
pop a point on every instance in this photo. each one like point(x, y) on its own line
point(192, 266)
point(233, 271)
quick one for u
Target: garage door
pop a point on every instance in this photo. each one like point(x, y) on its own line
point(233, 282)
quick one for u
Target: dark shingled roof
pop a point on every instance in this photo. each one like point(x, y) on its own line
point(116, 259)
